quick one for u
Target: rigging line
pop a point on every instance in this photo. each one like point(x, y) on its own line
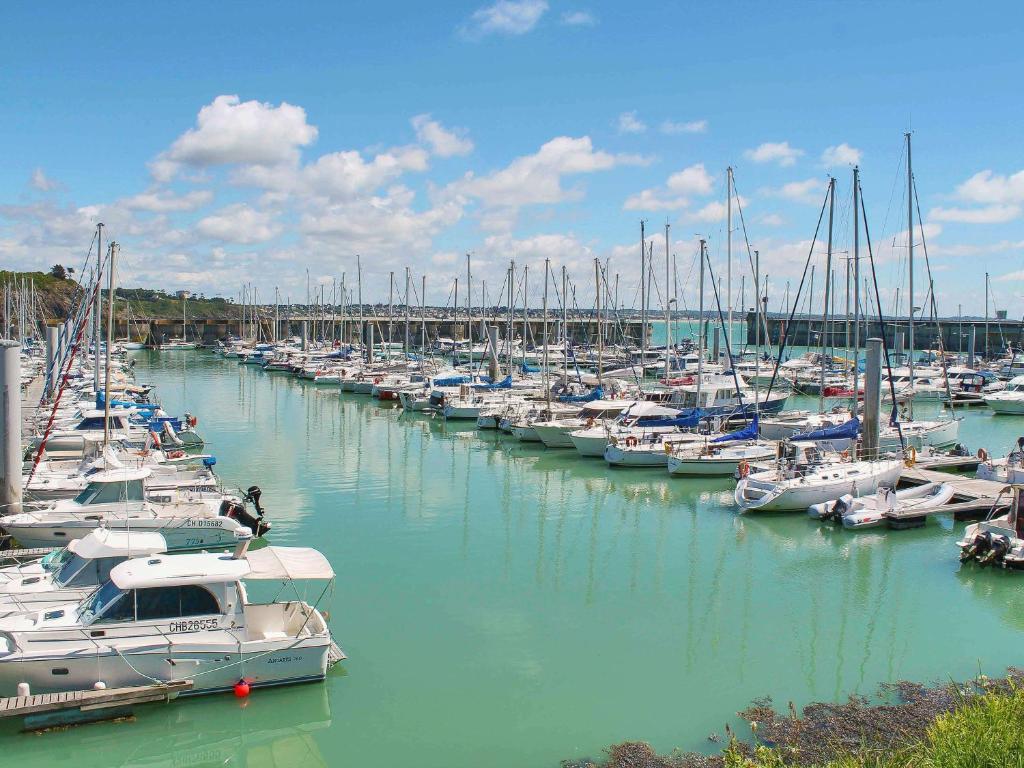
point(750, 257)
point(878, 303)
point(728, 351)
point(796, 300)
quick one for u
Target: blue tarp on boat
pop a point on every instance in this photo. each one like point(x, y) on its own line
point(846, 431)
point(530, 368)
point(452, 381)
point(596, 394)
point(749, 432)
point(505, 383)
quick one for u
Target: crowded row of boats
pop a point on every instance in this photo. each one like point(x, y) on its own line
point(131, 564)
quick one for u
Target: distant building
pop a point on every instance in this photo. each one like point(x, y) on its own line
point(1000, 314)
point(188, 295)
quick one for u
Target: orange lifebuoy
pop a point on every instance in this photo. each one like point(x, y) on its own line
point(845, 455)
point(155, 438)
point(175, 454)
point(193, 421)
point(983, 454)
point(744, 468)
point(378, 380)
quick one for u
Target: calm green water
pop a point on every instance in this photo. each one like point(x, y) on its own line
point(504, 605)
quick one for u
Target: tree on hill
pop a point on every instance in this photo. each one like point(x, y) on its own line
point(58, 272)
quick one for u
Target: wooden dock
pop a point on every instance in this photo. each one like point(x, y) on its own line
point(972, 499)
point(52, 709)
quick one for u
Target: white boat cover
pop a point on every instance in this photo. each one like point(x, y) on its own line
point(104, 542)
point(281, 563)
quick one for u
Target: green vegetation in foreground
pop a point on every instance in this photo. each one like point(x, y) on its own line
point(980, 725)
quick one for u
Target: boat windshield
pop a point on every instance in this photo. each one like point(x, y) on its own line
point(69, 569)
point(96, 603)
point(110, 493)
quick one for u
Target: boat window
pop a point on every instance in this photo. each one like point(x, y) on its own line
point(110, 493)
point(175, 602)
point(69, 570)
point(108, 604)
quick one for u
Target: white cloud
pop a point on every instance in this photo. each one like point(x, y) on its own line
point(442, 142)
point(715, 211)
point(991, 214)
point(157, 201)
point(629, 123)
point(578, 19)
point(692, 180)
point(505, 17)
point(653, 200)
point(229, 131)
point(809, 191)
point(239, 224)
point(774, 152)
point(842, 154)
point(693, 126)
point(772, 220)
point(988, 188)
point(1011, 277)
point(537, 179)
point(42, 182)
point(976, 249)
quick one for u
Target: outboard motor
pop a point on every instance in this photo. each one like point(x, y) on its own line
point(997, 551)
point(979, 545)
point(839, 509)
point(254, 523)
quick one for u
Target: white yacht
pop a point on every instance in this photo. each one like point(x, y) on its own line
point(117, 499)
point(556, 433)
point(172, 618)
point(1009, 400)
point(73, 572)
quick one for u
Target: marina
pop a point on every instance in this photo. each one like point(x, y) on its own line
point(519, 384)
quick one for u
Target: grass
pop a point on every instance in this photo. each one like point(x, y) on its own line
point(980, 725)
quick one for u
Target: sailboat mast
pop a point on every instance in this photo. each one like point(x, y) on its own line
point(910, 263)
point(643, 297)
point(668, 308)
point(565, 325)
point(547, 388)
point(469, 308)
point(511, 303)
point(828, 284)
point(359, 283)
point(110, 344)
point(728, 255)
point(97, 310)
point(407, 314)
point(597, 299)
point(700, 323)
point(856, 283)
point(526, 275)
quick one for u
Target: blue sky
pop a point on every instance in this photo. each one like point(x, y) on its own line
point(224, 143)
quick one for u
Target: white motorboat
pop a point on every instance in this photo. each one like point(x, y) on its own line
point(173, 618)
point(643, 448)
point(74, 571)
point(117, 499)
point(871, 511)
point(1009, 400)
point(804, 476)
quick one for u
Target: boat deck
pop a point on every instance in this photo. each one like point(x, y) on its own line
point(973, 498)
point(51, 709)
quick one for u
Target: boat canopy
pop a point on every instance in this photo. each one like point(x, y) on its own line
point(121, 475)
point(452, 381)
point(749, 432)
point(846, 431)
point(284, 563)
point(104, 542)
point(179, 570)
point(646, 409)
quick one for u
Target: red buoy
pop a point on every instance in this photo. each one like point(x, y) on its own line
point(241, 689)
